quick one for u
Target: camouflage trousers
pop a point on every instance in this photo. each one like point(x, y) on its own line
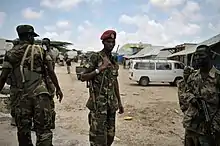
point(53, 113)
point(37, 108)
point(102, 128)
point(13, 101)
point(195, 139)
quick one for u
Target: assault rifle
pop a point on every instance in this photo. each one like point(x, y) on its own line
point(208, 120)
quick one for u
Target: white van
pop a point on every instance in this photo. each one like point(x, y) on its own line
point(163, 71)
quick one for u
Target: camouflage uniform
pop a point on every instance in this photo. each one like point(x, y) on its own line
point(32, 94)
point(13, 90)
point(183, 101)
point(102, 101)
point(182, 89)
point(208, 90)
point(52, 93)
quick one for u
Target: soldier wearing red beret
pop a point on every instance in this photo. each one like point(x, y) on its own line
point(101, 72)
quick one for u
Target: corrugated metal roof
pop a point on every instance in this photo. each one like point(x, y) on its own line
point(148, 51)
point(209, 42)
point(189, 50)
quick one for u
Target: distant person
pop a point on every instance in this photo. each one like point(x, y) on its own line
point(129, 64)
point(124, 63)
point(101, 71)
point(68, 64)
point(51, 88)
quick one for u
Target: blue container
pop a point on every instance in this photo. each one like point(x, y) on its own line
point(120, 58)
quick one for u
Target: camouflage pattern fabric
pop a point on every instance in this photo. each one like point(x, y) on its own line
point(39, 107)
point(102, 128)
point(33, 98)
point(181, 95)
point(182, 89)
point(208, 90)
point(189, 140)
point(102, 102)
point(13, 100)
point(52, 93)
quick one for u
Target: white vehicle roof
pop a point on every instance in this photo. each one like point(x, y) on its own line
point(155, 60)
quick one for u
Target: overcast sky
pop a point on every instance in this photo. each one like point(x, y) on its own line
point(159, 22)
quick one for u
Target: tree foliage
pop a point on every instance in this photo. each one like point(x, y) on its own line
point(60, 45)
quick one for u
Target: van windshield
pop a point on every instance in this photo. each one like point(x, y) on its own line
point(144, 66)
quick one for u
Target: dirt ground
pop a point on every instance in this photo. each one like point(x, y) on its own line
point(155, 111)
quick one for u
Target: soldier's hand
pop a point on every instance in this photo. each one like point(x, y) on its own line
point(105, 64)
point(59, 95)
point(121, 109)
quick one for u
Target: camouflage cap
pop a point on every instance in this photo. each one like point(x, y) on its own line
point(21, 29)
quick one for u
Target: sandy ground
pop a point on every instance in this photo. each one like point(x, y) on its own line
point(155, 111)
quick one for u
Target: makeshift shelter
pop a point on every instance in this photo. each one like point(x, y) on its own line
point(147, 52)
point(213, 42)
point(131, 48)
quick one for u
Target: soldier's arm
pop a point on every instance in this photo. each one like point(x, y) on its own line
point(6, 70)
point(49, 64)
point(189, 95)
point(89, 67)
point(181, 96)
point(117, 92)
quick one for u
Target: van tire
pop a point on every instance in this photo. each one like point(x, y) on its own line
point(176, 81)
point(144, 81)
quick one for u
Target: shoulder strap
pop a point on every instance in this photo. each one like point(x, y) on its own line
point(34, 50)
point(22, 62)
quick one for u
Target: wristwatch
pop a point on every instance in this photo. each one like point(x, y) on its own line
point(97, 71)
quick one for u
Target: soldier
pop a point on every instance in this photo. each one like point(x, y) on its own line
point(11, 81)
point(182, 100)
point(25, 63)
point(201, 119)
point(51, 88)
point(182, 88)
point(101, 71)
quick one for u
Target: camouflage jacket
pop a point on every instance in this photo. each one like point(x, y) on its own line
point(181, 95)
point(208, 90)
point(102, 88)
point(25, 62)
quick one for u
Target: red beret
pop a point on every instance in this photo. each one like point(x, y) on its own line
point(108, 34)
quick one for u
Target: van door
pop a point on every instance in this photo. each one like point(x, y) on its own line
point(144, 69)
point(163, 72)
point(178, 69)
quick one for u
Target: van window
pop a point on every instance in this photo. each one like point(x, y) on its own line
point(178, 66)
point(163, 66)
point(144, 66)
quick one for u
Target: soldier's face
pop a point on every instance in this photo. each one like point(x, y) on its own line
point(46, 43)
point(202, 59)
point(109, 44)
